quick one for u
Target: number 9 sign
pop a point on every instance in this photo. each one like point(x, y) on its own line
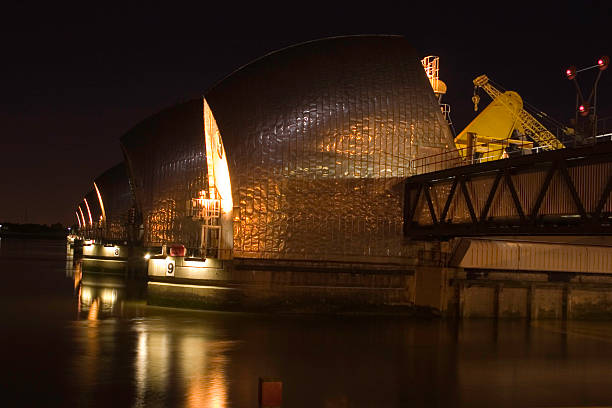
point(170, 267)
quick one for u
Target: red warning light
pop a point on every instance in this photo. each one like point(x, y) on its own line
point(583, 109)
point(603, 62)
point(571, 72)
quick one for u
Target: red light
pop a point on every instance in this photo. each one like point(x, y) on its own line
point(603, 62)
point(583, 109)
point(177, 250)
point(600, 62)
point(570, 72)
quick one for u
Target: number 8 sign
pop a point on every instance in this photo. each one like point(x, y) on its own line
point(170, 266)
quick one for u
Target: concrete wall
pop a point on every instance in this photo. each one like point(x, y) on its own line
point(536, 296)
point(377, 286)
point(117, 252)
point(562, 278)
point(285, 286)
point(106, 259)
point(117, 259)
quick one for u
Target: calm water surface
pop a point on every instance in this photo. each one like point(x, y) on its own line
point(73, 338)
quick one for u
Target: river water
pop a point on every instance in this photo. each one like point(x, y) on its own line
point(73, 338)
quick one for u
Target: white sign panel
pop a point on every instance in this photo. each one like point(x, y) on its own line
point(170, 267)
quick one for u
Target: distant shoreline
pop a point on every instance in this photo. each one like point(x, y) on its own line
point(33, 235)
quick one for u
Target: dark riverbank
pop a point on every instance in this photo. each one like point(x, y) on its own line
point(33, 231)
point(34, 235)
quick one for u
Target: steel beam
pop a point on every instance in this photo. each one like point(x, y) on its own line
point(530, 217)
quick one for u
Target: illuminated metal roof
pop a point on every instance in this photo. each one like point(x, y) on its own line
point(115, 200)
point(317, 136)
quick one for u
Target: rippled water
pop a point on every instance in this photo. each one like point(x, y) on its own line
point(70, 337)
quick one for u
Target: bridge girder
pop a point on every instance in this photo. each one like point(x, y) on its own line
point(563, 192)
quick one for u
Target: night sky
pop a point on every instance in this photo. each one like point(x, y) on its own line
point(73, 81)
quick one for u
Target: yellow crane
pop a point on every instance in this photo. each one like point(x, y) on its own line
point(491, 131)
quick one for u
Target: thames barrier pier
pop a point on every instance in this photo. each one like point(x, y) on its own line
point(325, 178)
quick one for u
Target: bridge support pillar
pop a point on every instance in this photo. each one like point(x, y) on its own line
point(432, 288)
point(530, 303)
point(496, 300)
point(567, 304)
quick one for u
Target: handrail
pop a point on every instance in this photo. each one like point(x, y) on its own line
point(458, 157)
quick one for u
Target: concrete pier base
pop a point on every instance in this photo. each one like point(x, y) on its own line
point(465, 281)
point(286, 286)
point(530, 296)
point(114, 259)
point(448, 292)
point(557, 278)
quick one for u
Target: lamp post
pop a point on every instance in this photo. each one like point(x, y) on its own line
point(583, 105)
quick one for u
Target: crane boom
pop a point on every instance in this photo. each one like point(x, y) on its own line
point(526, 122)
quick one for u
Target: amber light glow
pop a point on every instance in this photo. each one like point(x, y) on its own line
point(101, 202)
point(218, 171)
point(94, 308)
point(78, 219)
point(82, 217)
point(88, 212)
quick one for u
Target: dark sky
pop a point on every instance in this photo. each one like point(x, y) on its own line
point(72, 81)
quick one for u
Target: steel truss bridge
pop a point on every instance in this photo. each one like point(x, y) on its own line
point(560, 192)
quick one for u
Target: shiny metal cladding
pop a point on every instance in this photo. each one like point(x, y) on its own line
point(117, 199)
point(318, 138)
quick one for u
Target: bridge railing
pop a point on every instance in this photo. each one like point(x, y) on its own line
point(481, 153)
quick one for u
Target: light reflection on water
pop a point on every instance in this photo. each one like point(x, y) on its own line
point(89, 342)
point(159, 353)
point(199, 362)
point(98, 300)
